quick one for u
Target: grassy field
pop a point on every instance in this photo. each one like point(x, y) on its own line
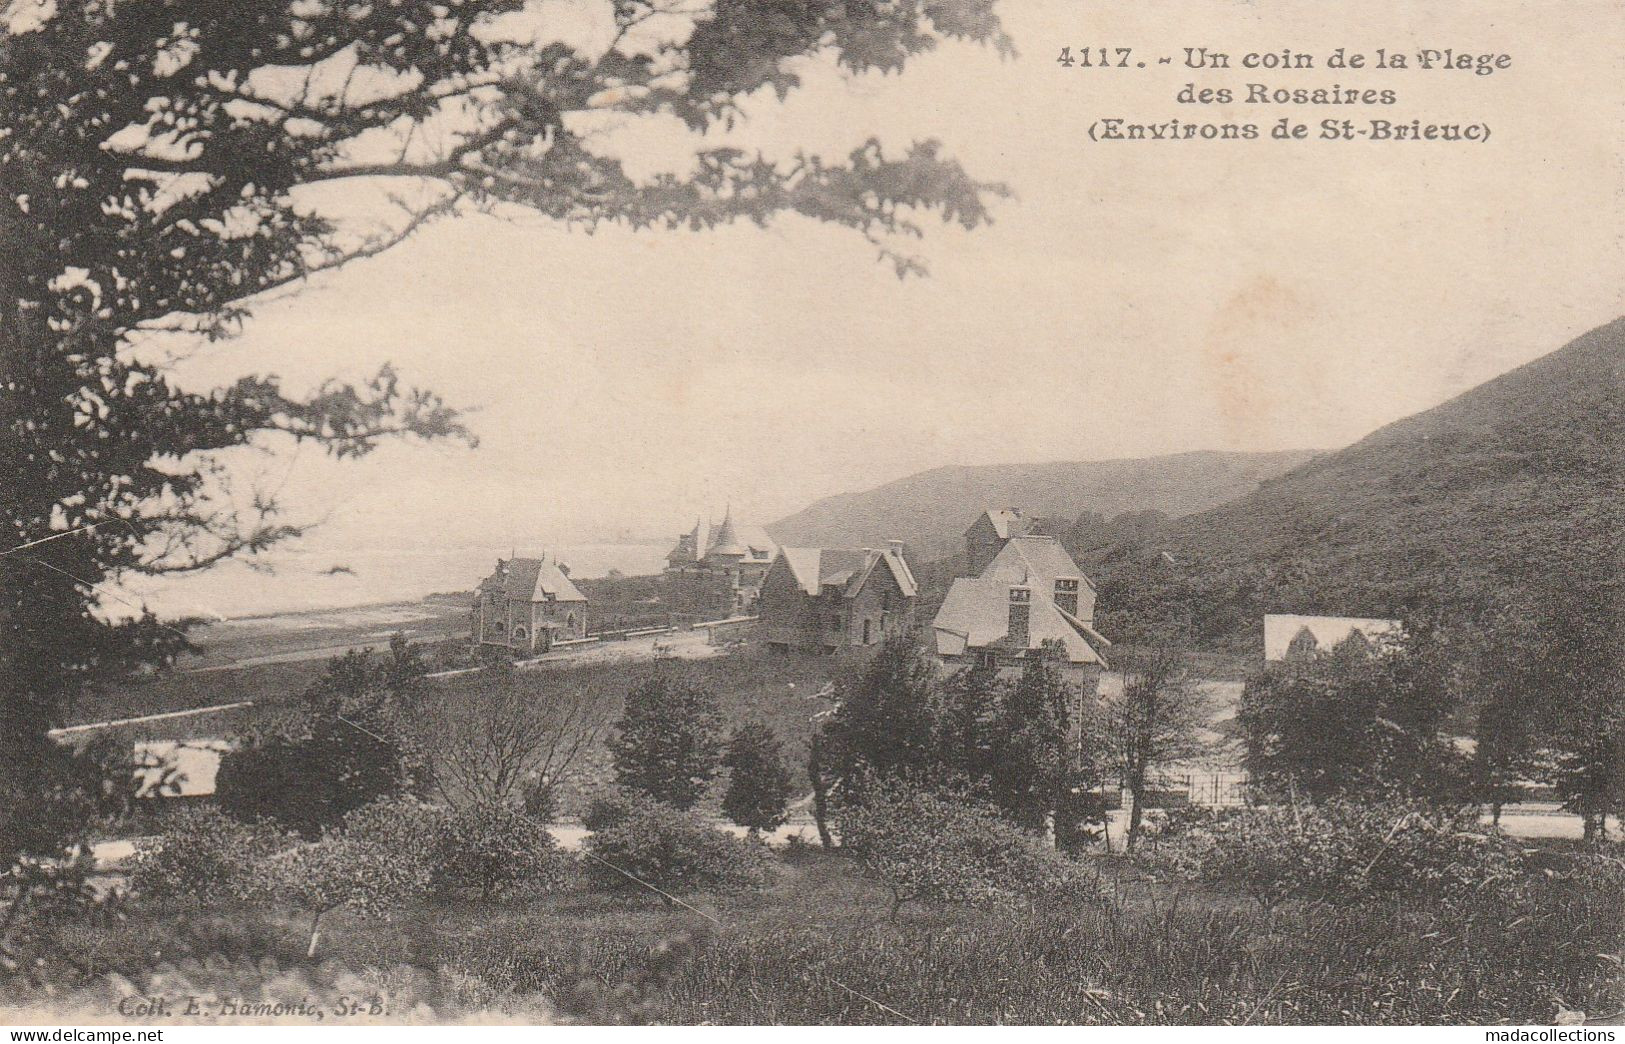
point(817, 947)
point(780, 690)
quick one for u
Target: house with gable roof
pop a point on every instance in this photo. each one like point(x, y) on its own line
point(715, 572)
point(836, 598)
point(526, 605)
point(1292, 637)
point(1029, 599)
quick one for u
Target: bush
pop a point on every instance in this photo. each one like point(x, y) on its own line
point(202, 857)
point(605, 810)
point(308, 785)
point(1343, 852)
point(675, 850)
point(937, 847)
point(493, 847)
point(385, 856)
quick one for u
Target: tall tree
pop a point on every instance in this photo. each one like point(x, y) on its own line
point(162, 164)
point(1030, 768)
point(758, 783)
point(668, 742)
point(884, 721)
point(1154, 722)
point(1577, 669)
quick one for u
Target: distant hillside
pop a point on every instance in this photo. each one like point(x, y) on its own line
point(932, 509)
point(1508, 488)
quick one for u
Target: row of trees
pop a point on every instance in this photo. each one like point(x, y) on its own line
point(1037, 746)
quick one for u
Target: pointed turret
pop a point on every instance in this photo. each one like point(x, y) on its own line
point(727, 543)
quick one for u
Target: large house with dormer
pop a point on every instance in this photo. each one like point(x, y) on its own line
point(526, 605)
point(1028, 599)
point(715, 572)
point(829, 599)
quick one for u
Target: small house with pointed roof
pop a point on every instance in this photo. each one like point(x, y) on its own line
point(714, 573)
point(837, 598)
point(526, 605)
point(1029, 599)
point(1291, 637)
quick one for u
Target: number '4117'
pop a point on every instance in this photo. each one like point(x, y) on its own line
point(1096, 57)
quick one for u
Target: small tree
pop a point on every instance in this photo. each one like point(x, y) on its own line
point(507, 741)
point(667, 744)
point(384, 857)
point(1153, 722)
point(758, 784)
point(201, 857)
point(1031, 759)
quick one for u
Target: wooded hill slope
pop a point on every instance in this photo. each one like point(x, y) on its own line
point(1486, 501)
point(932, 509)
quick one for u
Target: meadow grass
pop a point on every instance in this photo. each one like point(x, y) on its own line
point(817, 946)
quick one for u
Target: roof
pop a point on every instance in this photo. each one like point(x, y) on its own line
point(1007, 522)
point(976, 615)
point(817, 568)
point(752, 541)
point(727, 540)
point(691, 545)
point(533, 580)
point(1328, 631)
point(1033, 559)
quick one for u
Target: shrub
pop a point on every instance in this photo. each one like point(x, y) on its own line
point(936, 847)
point(309, 785)
point(494, 847)
point(605, 810)
point(202, 857)
point(1343, 852)
point(385, 856)
point(672, 849)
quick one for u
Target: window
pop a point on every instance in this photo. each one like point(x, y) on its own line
point(987, 658)
point(835, 623)
point(866, 638)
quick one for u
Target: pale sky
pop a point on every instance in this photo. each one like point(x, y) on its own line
point(1133, 299)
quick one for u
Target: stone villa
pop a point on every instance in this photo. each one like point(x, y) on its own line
point(1028, 592)
point(526, 605)
point(714, 574)
point(836, 598)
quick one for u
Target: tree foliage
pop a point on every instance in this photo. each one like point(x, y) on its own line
point(1153, 722)
point(668, 744)
point(1358, 720)
point(758, 781)
point(338, 748)
point(941, 847)
point(503, 742)
point(671, 849)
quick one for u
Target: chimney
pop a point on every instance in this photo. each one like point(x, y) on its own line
point(895, 546)
point(1020, 610)
point(1066, 594)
